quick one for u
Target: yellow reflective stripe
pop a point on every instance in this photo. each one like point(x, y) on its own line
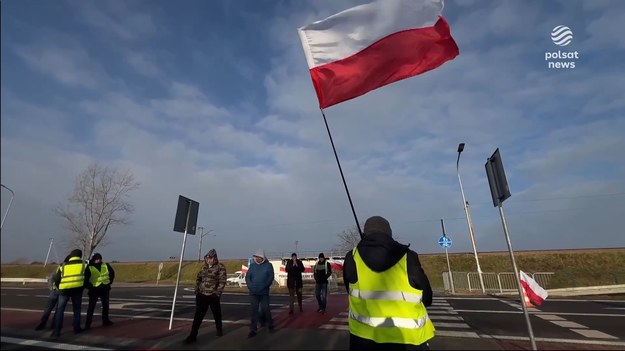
point(385, 295)
point(389, 322)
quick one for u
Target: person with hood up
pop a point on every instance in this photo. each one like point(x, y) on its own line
point(388, 293)
point(99, 277)
point(70, 278)
point(209, 285)
point(259, 278)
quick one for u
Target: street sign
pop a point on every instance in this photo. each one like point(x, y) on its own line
point(444, 241)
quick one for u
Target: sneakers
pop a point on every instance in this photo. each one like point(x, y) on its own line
point(272, 329)
point(190, 340)
point(107, 323)
point(319, 310)
point(252, 334)
point(78, 330)
point(290, 311)
point(41, 326)
point(220, 332)
point(55, 334)
point(301, 309)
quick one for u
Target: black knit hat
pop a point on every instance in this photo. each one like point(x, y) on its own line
point(377, 224)
point(96, 256)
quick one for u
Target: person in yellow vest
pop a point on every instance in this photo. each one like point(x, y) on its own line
point(70, 278)
point(99, 277)
point(388, 293)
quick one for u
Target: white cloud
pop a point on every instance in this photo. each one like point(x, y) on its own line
point(265, 174)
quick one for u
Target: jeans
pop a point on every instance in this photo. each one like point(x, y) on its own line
point(76, 296)
point(103, 295)
point(53, 299)
point(202, 302)
point(321, 293)
point(263, 302)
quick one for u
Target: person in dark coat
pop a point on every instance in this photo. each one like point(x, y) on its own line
point(294, 269)
point(99, 277)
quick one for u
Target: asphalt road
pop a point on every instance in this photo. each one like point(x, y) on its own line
point(142, 317)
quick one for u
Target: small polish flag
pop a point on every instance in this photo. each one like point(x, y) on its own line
point(535, 293)
point(369, 46)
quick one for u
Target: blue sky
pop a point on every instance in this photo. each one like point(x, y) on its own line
point(212, 100)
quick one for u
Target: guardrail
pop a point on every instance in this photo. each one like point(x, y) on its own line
point(23, 280)
point(493, 282)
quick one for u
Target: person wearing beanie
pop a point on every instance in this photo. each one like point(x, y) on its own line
point(70, 279)
point(209, 286)
point(391, 271)
point(99, 277)
point(259, 277)
point(294, 282)
point(321, 272)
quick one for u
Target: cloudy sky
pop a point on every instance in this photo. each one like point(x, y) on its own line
point(212, 100)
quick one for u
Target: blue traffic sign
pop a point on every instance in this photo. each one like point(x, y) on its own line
point(444, 241)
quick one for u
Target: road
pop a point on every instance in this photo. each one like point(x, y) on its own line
point(142, 314)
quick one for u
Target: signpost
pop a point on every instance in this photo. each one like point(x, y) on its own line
point(186, 220)
point(445, 242)
point(500, 192)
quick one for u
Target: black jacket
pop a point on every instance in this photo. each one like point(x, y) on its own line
point(294, 274)
point(380, 252)
point(322, 271)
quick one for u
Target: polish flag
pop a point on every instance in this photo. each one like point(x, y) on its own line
point(372, 45)
point(535, 293)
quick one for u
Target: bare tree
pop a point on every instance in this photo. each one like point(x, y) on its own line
point(99, 201)
point(348, 239)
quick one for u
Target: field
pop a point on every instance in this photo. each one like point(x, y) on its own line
point(573, 268)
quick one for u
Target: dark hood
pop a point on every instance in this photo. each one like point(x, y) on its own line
point(76, 253)
point(380, 251)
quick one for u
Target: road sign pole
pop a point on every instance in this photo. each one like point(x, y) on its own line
point(184, 241)
point(518, 280)
point(451, 277)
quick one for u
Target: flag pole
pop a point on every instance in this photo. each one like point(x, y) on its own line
point(351, 204)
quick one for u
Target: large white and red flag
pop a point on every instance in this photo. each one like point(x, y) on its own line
point(534, 292)
point(372, 45)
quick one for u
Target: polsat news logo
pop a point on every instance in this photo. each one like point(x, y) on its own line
point(561, 36)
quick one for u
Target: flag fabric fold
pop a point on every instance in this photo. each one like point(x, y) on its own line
point(534, 292)
point(369, 46)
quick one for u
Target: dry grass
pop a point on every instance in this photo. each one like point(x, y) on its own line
point(572, 267)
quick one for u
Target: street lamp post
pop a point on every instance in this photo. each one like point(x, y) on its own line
point(202, 234)
point(48, 254)
point(7, 211)
point(465, 205)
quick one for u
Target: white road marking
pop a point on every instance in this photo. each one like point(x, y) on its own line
point(451, 325)
point(550, 317)
point(456, 334)
point(595, 334)
point(46, 344)
point(569, 324)
point(554, 340)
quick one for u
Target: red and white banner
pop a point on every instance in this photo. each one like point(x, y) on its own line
point(534, 292)
point(372, 45)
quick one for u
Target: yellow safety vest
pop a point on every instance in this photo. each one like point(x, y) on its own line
point(383, 307)
point(72, 274)
point(99, 277)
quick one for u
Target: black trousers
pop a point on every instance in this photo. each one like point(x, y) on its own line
point(358, 343)
point(202, 302)
point(94, 295)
